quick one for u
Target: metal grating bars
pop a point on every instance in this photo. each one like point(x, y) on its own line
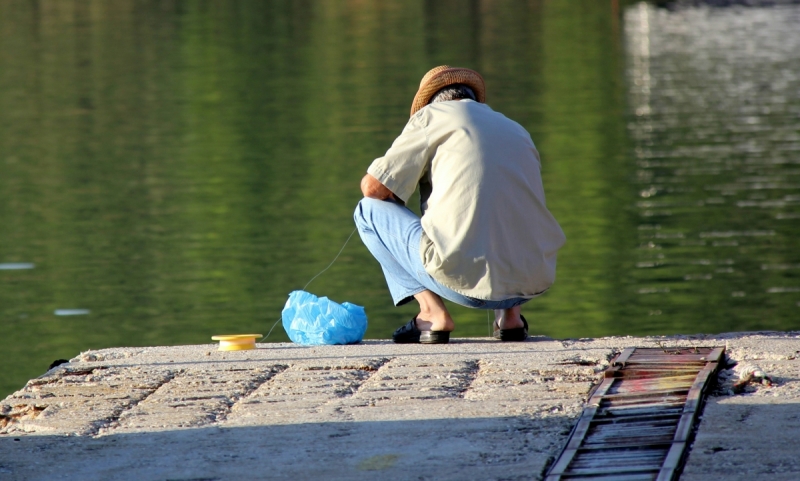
point(638, 422)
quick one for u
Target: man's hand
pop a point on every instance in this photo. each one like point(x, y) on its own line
point(372, 187)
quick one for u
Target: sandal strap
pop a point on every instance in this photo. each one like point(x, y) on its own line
point(409, 327)
point(408, 333)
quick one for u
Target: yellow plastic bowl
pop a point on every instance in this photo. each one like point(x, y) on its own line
point(236, 342)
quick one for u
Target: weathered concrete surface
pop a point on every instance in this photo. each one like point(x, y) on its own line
point(472, 409)
point(755, 435)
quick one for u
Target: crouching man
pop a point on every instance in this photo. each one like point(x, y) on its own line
point(486, 239)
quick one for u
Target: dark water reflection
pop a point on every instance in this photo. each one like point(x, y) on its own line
point(175, 169)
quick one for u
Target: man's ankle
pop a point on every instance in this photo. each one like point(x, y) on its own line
point(434, 323)
point(508, 318)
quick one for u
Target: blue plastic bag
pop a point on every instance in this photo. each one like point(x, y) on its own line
point(313, 320)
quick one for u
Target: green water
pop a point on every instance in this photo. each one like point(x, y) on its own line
point(177, 168)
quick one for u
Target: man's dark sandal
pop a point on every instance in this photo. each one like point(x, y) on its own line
point(410, 334)
point(517, 334)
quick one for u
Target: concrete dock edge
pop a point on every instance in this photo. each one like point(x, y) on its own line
point(471, 409)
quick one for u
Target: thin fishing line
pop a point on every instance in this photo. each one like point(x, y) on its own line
point(312, 279)
point(334, 260)
point(270, 329)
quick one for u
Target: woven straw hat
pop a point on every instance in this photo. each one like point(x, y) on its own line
point(442, 76)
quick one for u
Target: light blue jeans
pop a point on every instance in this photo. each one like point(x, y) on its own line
point(392, 234)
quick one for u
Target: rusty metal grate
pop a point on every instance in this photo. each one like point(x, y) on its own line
point(638, 422)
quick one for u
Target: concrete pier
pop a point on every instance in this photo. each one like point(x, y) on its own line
point(471, 409)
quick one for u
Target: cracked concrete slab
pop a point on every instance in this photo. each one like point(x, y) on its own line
point(753, 435)
point(471, 409)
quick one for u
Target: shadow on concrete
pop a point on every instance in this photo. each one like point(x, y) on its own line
point(505, 448)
